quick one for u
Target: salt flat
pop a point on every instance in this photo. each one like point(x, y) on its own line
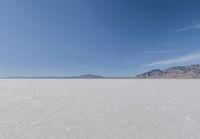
point(99, 109)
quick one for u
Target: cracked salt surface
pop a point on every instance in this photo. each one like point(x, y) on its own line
point(99, 109)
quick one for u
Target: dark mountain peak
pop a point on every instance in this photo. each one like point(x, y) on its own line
point(152, 73)
point(156, 70)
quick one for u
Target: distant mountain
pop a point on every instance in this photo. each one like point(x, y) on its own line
point(89, 76)
point(179, 72)
point(85, 76)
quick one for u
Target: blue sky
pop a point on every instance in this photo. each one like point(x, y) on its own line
point(106, 37)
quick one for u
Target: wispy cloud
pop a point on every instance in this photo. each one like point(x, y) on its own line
point(178, 60)
point(193, 26)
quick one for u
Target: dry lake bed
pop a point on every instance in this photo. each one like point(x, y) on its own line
point(99, 109)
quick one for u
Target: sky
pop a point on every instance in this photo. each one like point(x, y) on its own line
point(105, 37)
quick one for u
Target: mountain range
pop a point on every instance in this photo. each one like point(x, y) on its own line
point(178, 72)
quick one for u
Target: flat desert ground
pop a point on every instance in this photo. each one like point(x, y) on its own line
point(99, 109)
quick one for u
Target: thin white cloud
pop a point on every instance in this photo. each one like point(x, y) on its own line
point(194, 26)
point(178, 60)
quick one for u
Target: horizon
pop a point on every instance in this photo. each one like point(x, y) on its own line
point(108, 38)
point(87, 74)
